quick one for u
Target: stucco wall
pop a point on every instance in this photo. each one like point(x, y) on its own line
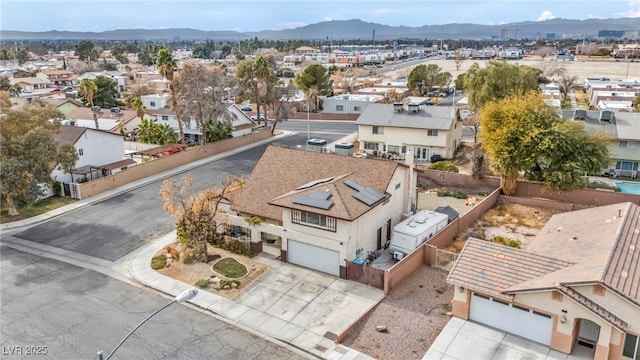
point(165, 163)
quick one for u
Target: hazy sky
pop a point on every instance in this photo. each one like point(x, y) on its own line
point(244, 15)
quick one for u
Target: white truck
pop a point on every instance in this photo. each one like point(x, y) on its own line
point(413, 231)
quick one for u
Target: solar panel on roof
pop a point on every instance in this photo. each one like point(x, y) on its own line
point(323, 195)
point(313, 202)
point(364, 198)
point(354, 185)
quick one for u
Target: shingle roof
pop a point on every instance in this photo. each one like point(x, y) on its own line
point(490, 268)
point(435, 117)
point(69, 134)
point(281, 170)
point(345, 205)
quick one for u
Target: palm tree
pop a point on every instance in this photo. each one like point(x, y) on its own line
point(261, 70)
point(145, 133)
point(86, 89)
point(167, 66)
point(135, 103)
point(164, 134)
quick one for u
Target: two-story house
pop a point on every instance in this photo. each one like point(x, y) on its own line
point(624, 130)
point(326, 209)
point(59, 77)
point(390, 130)
point(576, 284)
point(100, 153)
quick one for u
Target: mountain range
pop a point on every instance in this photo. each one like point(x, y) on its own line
point(351, 30)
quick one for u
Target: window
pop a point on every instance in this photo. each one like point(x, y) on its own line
point(339, 107)
point(630, 348)
point(313, 219)
point(627, 165)
point(165, 117)
point(80, 152)
point(357, 108)
point(370, 146)
point(378, 130)
point(432, 132)
point(623, 144)
point(393, 149)
point(152, 103)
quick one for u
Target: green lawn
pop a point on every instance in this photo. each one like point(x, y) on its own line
point(230, 268)
point(38, 208)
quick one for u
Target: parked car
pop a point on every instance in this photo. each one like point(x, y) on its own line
point(255, 118)
point(54, 90)
point(427, 102)
point(435, 158)
point(247, 107)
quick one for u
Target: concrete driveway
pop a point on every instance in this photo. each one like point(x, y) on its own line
point(461, 340)
point(320, 303)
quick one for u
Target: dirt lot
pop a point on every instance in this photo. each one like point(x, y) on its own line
point(191, 273)
point(416, 311)
point(581, 69)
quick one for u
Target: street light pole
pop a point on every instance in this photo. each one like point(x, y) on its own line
point(184, 296)
point(308, 127)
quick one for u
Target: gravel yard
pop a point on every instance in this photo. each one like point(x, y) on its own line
point(414, 314)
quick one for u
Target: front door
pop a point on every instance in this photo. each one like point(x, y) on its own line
point(421, 153)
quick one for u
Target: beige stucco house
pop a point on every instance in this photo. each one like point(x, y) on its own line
point(391, 130)
point(577, 283)
point(323, 210)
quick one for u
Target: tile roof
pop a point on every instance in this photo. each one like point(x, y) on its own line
point(435, 117)
point(490, 268)
point(598, 245)
point(281, 170)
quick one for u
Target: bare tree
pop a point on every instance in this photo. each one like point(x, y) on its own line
point(545, 51)
point(282, 103)
point(472, 122)
point(458, 57)
point(590, 49)
point(567, 83)
point(197, 214)
point(200, 93)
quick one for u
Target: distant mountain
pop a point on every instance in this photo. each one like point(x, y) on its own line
point(350, 30)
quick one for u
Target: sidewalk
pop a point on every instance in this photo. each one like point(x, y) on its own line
point(309, 343)
point(240, 314)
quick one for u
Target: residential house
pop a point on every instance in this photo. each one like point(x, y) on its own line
point(114, 120)
point(66, 105)
point(324, 209)
point(575, 284)
point(393, 129)
point(59, 77)
point(100, 153)
point(30, 84)
point(121, 80)
point(348, 103)
point(158, 108)
point(624, 130)
point(605, 89)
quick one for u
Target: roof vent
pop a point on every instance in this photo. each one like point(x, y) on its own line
point(420, 219)
point(399, 107)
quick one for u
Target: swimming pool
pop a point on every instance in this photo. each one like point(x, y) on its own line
point(629, 187)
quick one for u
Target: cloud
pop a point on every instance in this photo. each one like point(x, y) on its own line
point(327, 18)
point(546, 15)
point(634, 10)
point(590, 16)
point(382, 11)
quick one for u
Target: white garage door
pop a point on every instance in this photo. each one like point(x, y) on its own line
point(314, 257)
point(511, 318)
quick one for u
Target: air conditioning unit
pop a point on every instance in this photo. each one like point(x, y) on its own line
point(397, 255)
point(115, 110)
point(96, 109)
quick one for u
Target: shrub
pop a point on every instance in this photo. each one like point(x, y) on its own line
point(57, 188)
point(238, 247)
point(456, 194)
point(229, 284)
point(444, 166)
point(203, 283)
point(158, 262)
point(507, 241)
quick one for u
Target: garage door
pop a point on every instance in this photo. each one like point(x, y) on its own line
point(314, 257)
point(511, 318)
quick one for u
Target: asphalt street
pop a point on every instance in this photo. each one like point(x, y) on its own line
point(53, 310)
point(117, 226)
